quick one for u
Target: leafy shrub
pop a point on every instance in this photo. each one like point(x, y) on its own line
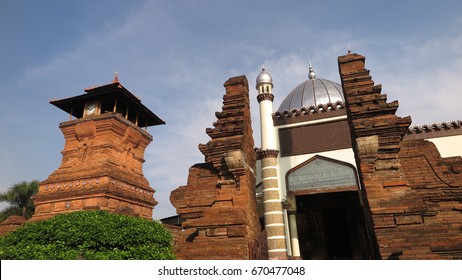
point(88, 235)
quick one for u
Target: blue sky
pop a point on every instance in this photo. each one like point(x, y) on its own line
point(176, 55)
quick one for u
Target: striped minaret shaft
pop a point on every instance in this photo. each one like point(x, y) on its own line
point(274, 214)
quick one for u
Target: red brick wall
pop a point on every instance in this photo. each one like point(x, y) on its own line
point(11, 223)
point(412, 196)
point(218, 203)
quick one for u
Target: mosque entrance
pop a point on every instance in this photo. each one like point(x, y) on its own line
point(331, 226)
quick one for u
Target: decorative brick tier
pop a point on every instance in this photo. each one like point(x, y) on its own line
point(219, 203)
point(434, 130)
point(101, 168)
point(412, 196)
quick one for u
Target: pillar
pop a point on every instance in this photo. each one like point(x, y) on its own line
point(292, 211)
point(272, 201)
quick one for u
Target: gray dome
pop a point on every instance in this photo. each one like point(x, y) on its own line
point(264, 77)
point(312, 92)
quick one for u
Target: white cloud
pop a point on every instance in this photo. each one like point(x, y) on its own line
point(175, 150)
point(424, 78)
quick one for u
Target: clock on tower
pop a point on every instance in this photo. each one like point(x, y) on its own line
point(90, 108)
point(105, 139)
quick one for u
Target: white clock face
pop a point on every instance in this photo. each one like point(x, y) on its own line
point(91, 109)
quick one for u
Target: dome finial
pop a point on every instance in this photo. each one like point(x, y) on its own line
point(264, 78)
point(116, 77)
point(311, 75)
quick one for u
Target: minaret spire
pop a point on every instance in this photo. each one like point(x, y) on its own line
point(264, 82)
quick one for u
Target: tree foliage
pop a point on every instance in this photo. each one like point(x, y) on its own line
point(19, 196)
point(88, 235)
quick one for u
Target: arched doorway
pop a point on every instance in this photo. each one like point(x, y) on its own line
point(329, 214)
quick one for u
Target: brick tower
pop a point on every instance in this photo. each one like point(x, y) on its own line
point(412, 195)
point(103, 155)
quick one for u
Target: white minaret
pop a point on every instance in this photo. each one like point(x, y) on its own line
point(274, 213)
point(265, 99)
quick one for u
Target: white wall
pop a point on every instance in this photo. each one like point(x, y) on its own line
point(449, 146)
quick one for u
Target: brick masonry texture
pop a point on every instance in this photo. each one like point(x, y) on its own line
point(219, 203)
point(11, 223)
point(412, 196)
point(101, 168)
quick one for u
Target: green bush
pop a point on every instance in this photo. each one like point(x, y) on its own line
point(94, 235)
